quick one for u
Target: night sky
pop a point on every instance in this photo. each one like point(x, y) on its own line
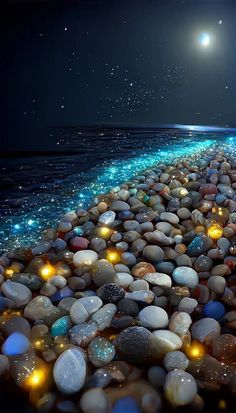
point(132, 61)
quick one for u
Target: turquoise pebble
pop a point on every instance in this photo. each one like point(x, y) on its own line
point(15, 345)
point(61, 326)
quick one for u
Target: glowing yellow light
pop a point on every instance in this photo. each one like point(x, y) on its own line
point(113, 256)
point(215, 231)
point(222, 404)
point(38, 344)
point(8, 272)
point(47, 271)
point(105, 232)
point(36, 379)
point(195, 351)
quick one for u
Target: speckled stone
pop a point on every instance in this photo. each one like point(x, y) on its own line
point(175, 360)
point(205, 330)
point(153, 317)
point(61, 326)
point(69, 371)
point(100, 351)
point(82, 334)
point(180, 387)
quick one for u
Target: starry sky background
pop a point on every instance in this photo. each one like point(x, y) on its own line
point(121, 61)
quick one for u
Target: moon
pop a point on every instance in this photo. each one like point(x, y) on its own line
point(204, 40)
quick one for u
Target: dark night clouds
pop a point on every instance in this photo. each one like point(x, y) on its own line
point(69, 63)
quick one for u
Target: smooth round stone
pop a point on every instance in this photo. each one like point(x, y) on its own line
point(15, 345)
point(141, 295)
point(58, 281)
point(126, 404)
point(180, 323)
point(167, 341)
point(127, 258)
point(220, 270)
point(86, 258)
point(13, 324)
point(41, 308)
point(205, 330)
point(94, 401)
point(107, 218)
point(180, 387)
point(214, 309)
point(82, 334)
point(98, 244)
point(165, 267)
point(6, 303)
point(216, 284)
point(175, 360)
point(91, 304)
point(78, 243)
point(119, 206)
point(200, 244)
point(124, 279)
point(142, 268)
point(32, 281)
point(169, 217)
point(187, 305)
point(69, 371)
point(131, 225)
point(19, 293)
point(203, 263)
point(63, 226)
point(159, 279)
point(184, 213)
point(153, 317)
point(100, 351)
point(153, 253)
point(138, 285)
point(78, 313)
point(61, 326)
point(157, 376)
point(110, 293)
point(104, 316)
point(185, 276)
point(103, 273)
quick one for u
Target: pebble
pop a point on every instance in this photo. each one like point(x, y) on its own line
point(78, 313)
point(185, 276)
point(103, 272)
point(153, 317)
point(141, 295)
point(175, 360)
point(153, 253)
point(159, 279)
point(15, 345)
point(61, 326)
point(19, 293)
point(214, 309)
point(124, 279)
point(94, 401)
point(169, 217)
point(100, 351)
point(180, 387)
point(180, 323)
point(107, 218)
point(205, 330)
point(118, 206)
point(187, 305)
point(82, 334)
point(157, 376)
point(91, 304)
point(104, 316)
point(69, 371)
point(85, 258)
point(110, 293)
point(41, 308)
point(167, 341)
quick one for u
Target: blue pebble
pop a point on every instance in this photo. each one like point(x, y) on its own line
point(60, 294)
point(212, 172)
point(126, 405)
point(15, 345)
point(61, 326)
point(124, 215)
point(214, 309)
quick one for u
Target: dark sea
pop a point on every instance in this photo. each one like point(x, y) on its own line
point(38, 187)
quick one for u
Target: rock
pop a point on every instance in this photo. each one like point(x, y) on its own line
point(159, 238)
point(128, 307)
point(32, 281)
point(203, 263)
point(200, 244)
point(185, 276)
point(104, 316)
point(138, 285)
point(85, 258)
point(91, 304)
point(61, 326)
point(107, 218)
point(124, 279)
point(103, 273)
point(160, 279)
point(82, 334)
point(187, 305)
point(78, 313)
point(94, 401)
point(142, 268)
point(153, 253)
point(205, 330)
point(216, 284)
point(175, 360)
point(169, 217)
point(41, 308)
point(13, 324)
point(180, 323)
point(119, 206)
point(142, 296)
point(153, 317)
point(214, 309)
point(180, 387)
point(69, 371)
point(78, 243)
point(100, 351)
point(157, 376)
point(166, 341)
point(15, 345)
point(17, 292)
point(110, 293)
point(133, 344)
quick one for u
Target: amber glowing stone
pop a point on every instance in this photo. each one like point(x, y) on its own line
point(47, 271)
point(215, 231)
point(113, 256)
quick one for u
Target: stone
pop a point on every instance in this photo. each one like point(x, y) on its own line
point(142, 268)
point(41, 308)
point(69, 371)
point(94, 401)
point(141, 295)
point(133, 344)
point(205, 330)
point(100, 351)
point(19, 293)
point(107, 218)
point(61, 326)
point(153, 317)
point(85, 258)
point(169, 217)
point(180, 387)
point(82, 334)
point(185, 276)
point(124, 279)
point(78, 313)
point(159, 279)
point(15, 345)
point(103, 272)
point(119, 206)
point(153, 253)
point(166, 341)
point(32, 281)
point(187, 305)
point(104, 316)
point(175, 360)
point(110, 293)
point(214, 309)
point(78, 243)
point(180, 323)
point(157, 376)
point(200, 244)
point(216, 284)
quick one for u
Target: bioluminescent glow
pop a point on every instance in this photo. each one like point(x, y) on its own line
point(204, 39)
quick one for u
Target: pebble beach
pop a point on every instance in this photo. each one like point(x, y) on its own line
point(128, 305)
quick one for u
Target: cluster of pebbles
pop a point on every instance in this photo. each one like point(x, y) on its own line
point(129, 305)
